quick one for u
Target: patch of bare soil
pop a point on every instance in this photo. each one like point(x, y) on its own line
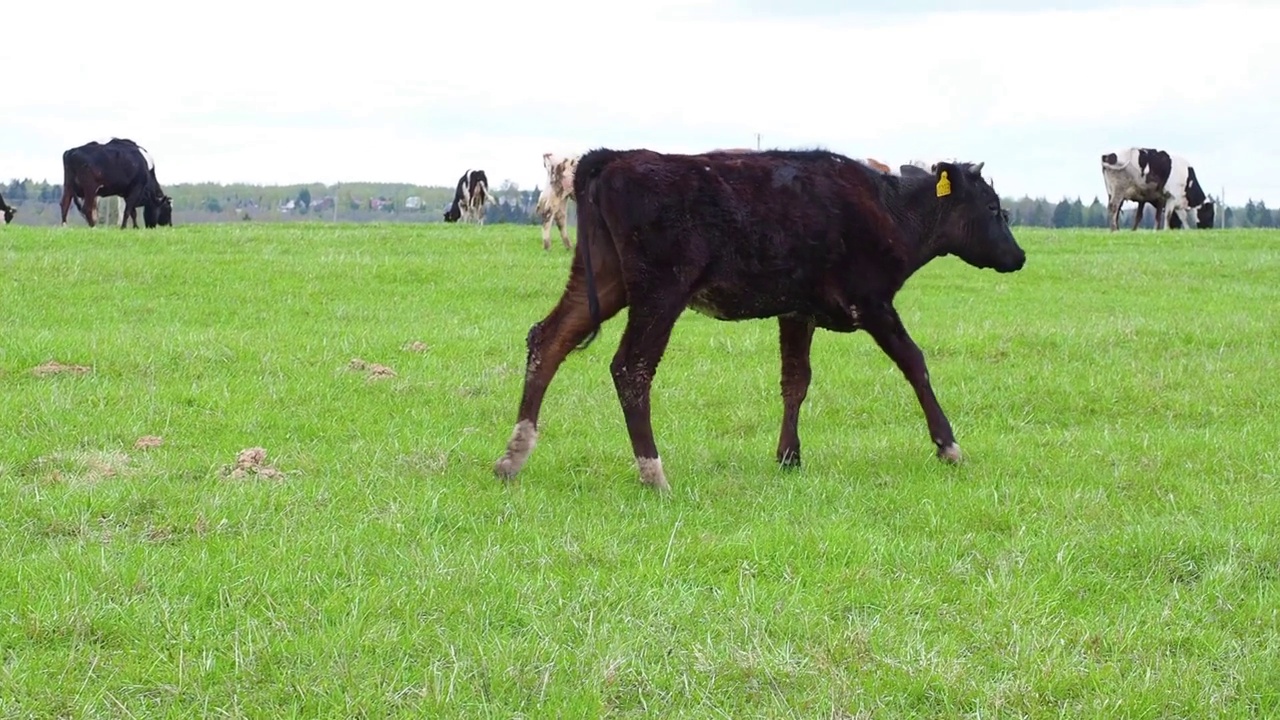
point(416, 346)
point(80, 466)
point(53, 367)
point(252, 461)
point(374, 371)
point(146, 442)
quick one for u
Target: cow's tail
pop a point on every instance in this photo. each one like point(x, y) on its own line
point(590, 225)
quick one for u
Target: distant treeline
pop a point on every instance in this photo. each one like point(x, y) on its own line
point(399, 202)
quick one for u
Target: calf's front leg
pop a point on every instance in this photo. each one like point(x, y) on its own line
point(886, 328)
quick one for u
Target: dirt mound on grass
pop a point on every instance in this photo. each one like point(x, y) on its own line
point(53, 367)
point(252, 461)
point(374, 370)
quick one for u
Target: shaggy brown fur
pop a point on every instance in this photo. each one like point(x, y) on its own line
point(812, 238)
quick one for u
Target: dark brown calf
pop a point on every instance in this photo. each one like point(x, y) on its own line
point(812, 238)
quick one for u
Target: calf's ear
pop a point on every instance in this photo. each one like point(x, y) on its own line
point(945, 174)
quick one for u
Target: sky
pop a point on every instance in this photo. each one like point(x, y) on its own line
point(418, 92)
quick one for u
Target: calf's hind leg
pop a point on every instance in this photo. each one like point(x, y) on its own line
point(648, 330)
point(549, 341)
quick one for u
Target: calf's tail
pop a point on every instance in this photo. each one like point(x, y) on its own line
point(590, 224)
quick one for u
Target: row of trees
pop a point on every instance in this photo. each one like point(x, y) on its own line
point(400, 202)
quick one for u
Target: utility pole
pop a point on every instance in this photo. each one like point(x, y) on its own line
point(757, 141)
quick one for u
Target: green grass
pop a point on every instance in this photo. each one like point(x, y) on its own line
point(1109, 549)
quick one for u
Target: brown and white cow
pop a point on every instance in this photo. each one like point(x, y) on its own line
point(812, 238)
point(553, 202)
point(872, 162)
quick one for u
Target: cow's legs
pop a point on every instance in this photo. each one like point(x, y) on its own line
point(546, 232)
point(795, 337)
point(1137, 214)
point(549, 341)
point(1113, 212)
point(562, 222)
point(91, 208)
point(130, 210)
point(886, 328)
point(67, 194)
point(649, 326)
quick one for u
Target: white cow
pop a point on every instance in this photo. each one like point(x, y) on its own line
point(553, 203)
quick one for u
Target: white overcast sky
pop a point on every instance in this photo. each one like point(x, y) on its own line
point(281, 92)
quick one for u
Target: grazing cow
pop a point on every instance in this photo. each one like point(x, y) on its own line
point(810, 237)
point(469, 198)
point(929, 165)
point(119, 167)
point(1146, 175)
point(872, 162)
point(8, 210)
point(553, 202)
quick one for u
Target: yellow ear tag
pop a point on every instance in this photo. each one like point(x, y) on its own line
point(944, 185)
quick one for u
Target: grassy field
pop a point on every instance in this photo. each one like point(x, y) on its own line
point(1109, 549)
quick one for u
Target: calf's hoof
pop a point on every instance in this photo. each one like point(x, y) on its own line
point(505, 468)
point(789, 459)
point(651, 474)
point(950, 454)
point(523, 438)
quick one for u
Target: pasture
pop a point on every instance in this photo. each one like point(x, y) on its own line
point(1109, 548)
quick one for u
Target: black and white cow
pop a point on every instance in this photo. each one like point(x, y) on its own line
point(1166, 181)
point(469, 198)
point(8, 210)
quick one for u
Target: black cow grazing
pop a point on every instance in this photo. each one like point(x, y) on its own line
point(119, 167)
point(812, 238)
point(469, 197)
point(8, 210)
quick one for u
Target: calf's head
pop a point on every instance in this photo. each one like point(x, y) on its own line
point(971, 224)
point(9, 212)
